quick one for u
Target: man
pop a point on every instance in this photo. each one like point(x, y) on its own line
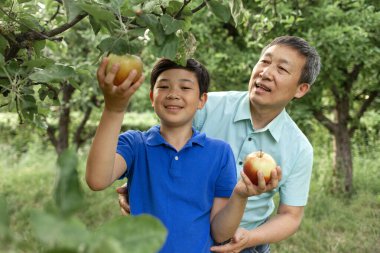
point(257, 120)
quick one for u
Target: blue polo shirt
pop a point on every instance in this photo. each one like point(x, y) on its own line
point(227, 116)
point(178, 187)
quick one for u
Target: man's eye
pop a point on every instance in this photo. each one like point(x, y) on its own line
point(264, 61)
point(283, 69)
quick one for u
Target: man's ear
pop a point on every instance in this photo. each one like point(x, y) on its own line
point(151, 97)
point(302, 89)
point(202, 101)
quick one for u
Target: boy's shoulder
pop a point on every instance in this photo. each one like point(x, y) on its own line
point(214, 142)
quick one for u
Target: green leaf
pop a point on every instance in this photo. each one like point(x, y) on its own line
point(170, 25)
point(237, 11)
point(39, 46)
point(58, 233)
point(68, 193)
point(97, 11)
point(114, 45)
point(219, 10)
point(96, 26)
point(55, 73)
point(38, 63)
point(170, 46)
point(72, 10)
point(29, 22)
point(133, 233)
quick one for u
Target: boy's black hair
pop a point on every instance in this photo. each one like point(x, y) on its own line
point(192, 65)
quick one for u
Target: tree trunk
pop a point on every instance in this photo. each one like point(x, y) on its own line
point(342, 170)
point(61, 142)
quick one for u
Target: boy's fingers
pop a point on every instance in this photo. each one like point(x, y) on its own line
point(101, 73)
point(261, 181)
point(111, 74)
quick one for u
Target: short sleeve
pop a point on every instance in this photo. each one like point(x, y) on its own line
point(296, 188)
point(227, 178)
point(125, 148)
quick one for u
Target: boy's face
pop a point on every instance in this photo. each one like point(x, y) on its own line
point(175, 97)
point(274, 79)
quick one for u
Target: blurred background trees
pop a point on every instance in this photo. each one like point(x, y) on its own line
point(50, 49)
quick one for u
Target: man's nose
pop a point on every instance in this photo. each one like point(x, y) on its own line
point(267, 72)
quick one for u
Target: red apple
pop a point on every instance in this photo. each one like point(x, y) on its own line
point(259, 161)
point(127, 63)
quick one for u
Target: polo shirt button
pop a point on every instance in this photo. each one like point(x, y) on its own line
point(176, 158)
point(240, 163)
point(249, 139)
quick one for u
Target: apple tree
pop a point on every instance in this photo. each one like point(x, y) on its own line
point(49, 50)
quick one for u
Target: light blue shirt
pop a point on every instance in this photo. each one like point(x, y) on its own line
point(226, 116)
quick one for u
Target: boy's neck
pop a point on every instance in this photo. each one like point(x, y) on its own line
point(176, 136)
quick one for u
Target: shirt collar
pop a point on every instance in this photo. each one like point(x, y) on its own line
point(276, 125)
point(243, 112)
point(154, 137)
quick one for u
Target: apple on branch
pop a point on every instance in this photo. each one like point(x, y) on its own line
point(126, 63)
point(259, 161)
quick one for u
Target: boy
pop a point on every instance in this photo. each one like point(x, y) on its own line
point(174, 172)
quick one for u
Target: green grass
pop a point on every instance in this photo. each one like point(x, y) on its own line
point(330, 224)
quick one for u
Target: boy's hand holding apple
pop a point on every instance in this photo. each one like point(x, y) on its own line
point(119, 77)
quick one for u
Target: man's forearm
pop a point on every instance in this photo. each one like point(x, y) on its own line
point(281, 226)
point(100, 162)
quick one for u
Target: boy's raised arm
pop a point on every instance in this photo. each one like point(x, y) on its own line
point(104, 166)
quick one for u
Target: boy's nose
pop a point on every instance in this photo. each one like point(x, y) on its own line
point(172, 95)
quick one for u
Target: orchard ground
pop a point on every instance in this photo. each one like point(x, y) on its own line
point(331, 224)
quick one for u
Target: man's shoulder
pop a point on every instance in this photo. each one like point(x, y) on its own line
point(293, 132)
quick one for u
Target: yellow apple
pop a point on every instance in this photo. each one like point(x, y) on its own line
point(127, 63)
point(259, 161)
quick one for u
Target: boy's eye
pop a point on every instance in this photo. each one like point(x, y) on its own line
point(162, 87)
point(186, 88)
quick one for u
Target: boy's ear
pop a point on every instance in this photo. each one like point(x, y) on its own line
point(202, 101)
point(151, 97)
point(302, 89)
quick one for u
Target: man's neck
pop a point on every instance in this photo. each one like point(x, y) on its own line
point(176, 136)
point(261, 117)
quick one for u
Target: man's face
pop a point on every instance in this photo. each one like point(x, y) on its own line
point(176, 97)
point(274, 79)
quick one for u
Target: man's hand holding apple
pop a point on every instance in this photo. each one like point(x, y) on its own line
point(117, 95)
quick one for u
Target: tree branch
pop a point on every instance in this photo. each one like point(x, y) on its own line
point(326, 122)
point(198, 8)
point(366, 104)
point(178, 14)
point(65, 26)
